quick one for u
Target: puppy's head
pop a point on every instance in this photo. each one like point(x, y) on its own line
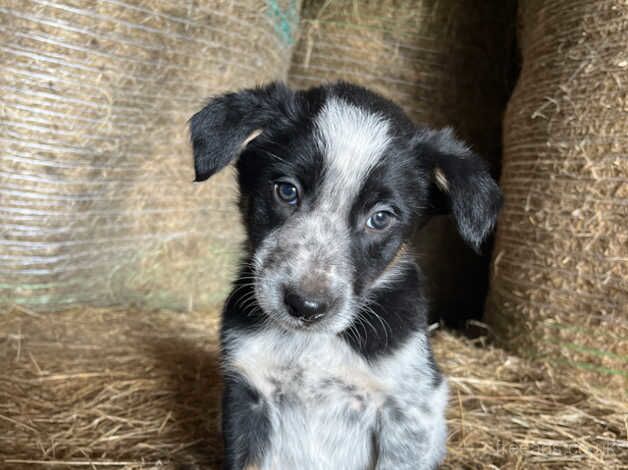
point(332, 180)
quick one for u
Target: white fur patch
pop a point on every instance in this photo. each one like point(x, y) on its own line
point(325, 401)
point(322, 398)
point(441, 179)
point(353, 141)
point(252, 136)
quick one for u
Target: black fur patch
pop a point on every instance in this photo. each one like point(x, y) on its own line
point(471, 195)
point(390, 318)
point(246, 424)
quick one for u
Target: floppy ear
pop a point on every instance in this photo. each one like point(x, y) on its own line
point(222, 129)
point(460, 184)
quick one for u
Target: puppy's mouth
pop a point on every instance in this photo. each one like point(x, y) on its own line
point(300, 324)
point(318, 322)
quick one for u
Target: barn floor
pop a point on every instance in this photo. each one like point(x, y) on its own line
point(123, 389)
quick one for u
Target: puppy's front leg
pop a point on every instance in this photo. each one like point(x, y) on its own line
point(245, 424)
point(404, 442)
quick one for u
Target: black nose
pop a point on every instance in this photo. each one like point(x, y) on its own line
point(306, 308)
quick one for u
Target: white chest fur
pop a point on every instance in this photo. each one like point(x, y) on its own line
point(323, 398)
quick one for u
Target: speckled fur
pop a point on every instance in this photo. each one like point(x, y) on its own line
point(329, 408)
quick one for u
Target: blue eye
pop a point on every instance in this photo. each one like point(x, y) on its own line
point(380, 220)
point(286, 193)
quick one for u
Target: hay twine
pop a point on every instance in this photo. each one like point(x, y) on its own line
point(97, 388)
point(560, 272)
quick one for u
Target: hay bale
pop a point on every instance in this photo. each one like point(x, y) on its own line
point(122, 389)
point(97, 202)
point(560, 269)
point(446, 64)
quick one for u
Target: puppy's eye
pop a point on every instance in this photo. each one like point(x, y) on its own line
point(380, 220)
point(286, 193)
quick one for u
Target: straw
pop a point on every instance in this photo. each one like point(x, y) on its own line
point(96, 388)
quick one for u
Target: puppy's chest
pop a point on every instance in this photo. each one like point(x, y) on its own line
point(328, 393)
point(322, 400)
point(314, 375)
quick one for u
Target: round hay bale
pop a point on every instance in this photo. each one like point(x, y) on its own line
point(560, 269)
point(446, 64)
point(97, 203)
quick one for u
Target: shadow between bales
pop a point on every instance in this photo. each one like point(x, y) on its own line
point(193, 386)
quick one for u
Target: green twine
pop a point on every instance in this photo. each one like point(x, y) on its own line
point(284, 20)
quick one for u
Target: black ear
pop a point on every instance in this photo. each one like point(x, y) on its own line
point(460, 184)
point(222, 129)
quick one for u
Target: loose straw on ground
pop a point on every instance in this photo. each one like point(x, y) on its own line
point(96, 388)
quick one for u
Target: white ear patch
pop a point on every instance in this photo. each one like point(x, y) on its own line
point(252, 136)
point(353, 141)
point(441, 179)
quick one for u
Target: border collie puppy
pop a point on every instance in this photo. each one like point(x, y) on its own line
point(325, 351)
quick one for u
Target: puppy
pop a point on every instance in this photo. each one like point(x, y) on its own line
point(325, 351)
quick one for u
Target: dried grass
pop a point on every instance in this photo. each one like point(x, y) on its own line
point(560, 274)
point(97, 203)
point(124, 389)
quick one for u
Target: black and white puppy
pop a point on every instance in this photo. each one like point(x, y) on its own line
point(326, 356)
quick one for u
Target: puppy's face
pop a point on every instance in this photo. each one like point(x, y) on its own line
point(332, 180)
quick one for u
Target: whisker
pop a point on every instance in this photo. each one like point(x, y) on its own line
point(382, 321)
